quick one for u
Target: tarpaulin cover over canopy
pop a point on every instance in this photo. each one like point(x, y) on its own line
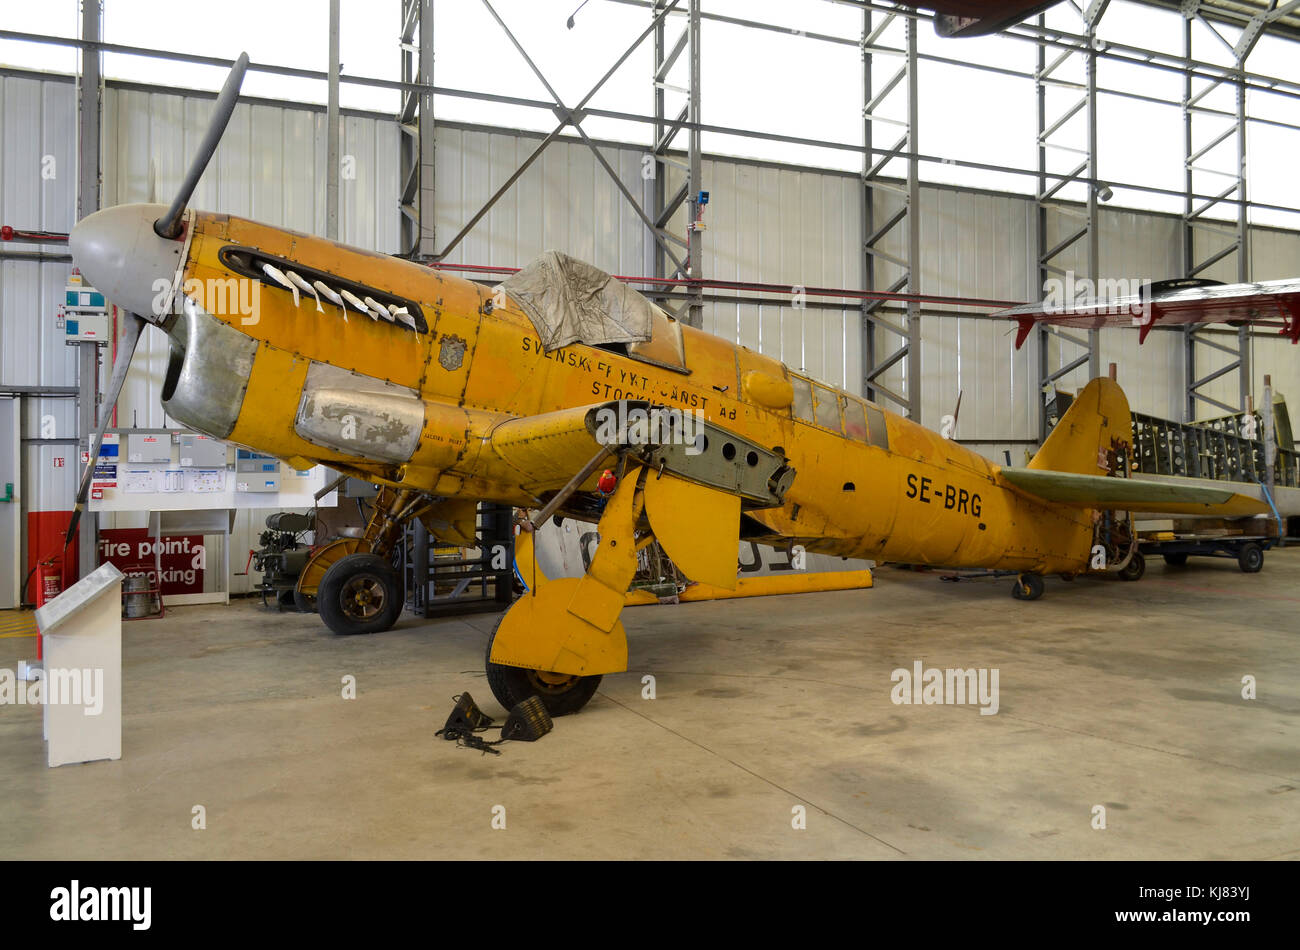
point(570, 301)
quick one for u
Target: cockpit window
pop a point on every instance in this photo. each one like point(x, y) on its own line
point(664, 348)
point(876, 422)
point(855, 419)
point(802, 405)
point(828, 408)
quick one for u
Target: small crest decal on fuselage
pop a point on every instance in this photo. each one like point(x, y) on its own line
point(452, 353)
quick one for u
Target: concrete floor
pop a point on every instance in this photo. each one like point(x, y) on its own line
point(1114, 694)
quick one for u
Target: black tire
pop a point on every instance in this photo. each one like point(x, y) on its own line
point(511, 685)
point(304, 603)
point(360, 593)
point(1250, 558)
point(1176, 560)
point(1027, 587)
point(1135, 568)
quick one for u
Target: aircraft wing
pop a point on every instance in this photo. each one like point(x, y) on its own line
point(544, 452)
point(1274, 303)
point(1133, 494)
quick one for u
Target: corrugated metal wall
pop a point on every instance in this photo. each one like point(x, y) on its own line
point(38, 173)
point(765, 223)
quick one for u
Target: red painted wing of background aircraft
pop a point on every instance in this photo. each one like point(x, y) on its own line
point(1274, 303)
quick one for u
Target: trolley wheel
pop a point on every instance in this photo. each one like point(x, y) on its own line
point(1250, 558)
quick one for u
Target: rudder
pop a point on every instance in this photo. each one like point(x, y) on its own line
point(1090, 428)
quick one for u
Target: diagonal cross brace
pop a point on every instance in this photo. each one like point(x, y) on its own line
point(568, 117)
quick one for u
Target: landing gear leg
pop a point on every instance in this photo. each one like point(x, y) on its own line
point(557, 640)
point(1027, 587)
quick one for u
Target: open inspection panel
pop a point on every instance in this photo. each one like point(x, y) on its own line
point(184, 482)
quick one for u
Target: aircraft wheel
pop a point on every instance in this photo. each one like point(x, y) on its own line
point(1250, 558)
point(1135, 568)
point(560, 694)
point(1027, 587)
point(1176, 560)
point(360, 593)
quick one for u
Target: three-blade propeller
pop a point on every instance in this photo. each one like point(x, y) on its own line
point(169, 226)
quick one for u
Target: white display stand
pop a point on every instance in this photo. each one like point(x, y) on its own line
point(82, 631)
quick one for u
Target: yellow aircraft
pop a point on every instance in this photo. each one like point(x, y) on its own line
point(565, 392)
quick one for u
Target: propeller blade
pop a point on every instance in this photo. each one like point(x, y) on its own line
point(123, 362)
point(169, 225)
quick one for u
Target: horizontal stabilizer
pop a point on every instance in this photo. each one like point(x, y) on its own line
point(1133, 494)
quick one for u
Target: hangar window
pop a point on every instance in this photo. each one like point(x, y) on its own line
point(827, 412)
point(802, 405)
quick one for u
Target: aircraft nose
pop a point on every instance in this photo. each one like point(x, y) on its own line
point(120, 255)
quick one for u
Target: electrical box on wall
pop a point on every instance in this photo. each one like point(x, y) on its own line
point(255, 472)
point(84, 313)
point(148, 448)
point(201, 451)
point(85, 327)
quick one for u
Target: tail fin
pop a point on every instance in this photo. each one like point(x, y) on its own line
point(1097, 419)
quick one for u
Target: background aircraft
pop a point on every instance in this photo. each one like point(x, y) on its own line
point(1274, 303)
point(975, 18)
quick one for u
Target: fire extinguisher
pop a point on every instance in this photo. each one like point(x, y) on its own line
point(49, 585)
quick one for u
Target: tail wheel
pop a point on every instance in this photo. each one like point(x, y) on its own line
point(1027, 587)
point(360, 593)
point(1134, 569)
point(1250, 558)
point(560, 693)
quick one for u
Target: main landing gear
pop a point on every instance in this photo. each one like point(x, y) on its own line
point(352, 581)
point(360, 593)
point(560, 693)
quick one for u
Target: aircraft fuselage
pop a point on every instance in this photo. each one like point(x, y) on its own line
point(889, 490)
